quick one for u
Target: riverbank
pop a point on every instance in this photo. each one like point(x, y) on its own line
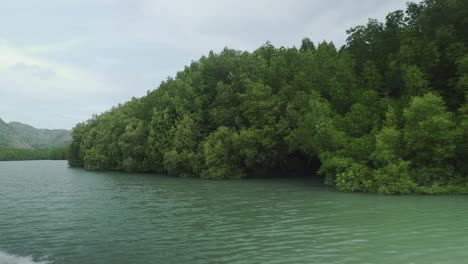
point(33, 154)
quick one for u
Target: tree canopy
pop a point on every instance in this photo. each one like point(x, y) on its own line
point(387, 112)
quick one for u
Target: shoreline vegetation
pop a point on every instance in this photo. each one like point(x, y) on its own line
point(387, 112)
point(33, 154)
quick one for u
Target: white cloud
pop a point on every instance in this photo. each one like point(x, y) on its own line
point(64, 46)
point(28, 75)
point(62, 61)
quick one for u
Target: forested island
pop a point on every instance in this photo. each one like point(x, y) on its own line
point(387, 112)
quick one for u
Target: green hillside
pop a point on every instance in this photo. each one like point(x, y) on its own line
point(40, 138)
point(15, 135)
point(8, 139)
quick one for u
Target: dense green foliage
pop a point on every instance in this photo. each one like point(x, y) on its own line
point(385, 113)
point(33, 154)
point(21, 136)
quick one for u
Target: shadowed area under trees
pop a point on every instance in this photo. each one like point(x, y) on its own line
point(386, 113)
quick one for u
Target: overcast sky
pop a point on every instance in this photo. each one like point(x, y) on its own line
point(62, 61)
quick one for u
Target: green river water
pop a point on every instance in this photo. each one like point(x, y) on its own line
point(50, 213)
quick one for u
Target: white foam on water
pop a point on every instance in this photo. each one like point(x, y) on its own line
point(6, 258)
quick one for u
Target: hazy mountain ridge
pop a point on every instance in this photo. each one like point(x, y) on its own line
point(23, 136)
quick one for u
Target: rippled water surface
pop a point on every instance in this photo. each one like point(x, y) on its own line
point(52, 214)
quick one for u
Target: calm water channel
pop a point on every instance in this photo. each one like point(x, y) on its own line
point(50, 213)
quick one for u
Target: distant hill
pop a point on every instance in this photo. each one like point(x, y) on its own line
point(22, 136)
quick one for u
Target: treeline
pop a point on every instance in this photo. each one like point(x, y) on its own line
point(387, 112)
point(33, 154)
